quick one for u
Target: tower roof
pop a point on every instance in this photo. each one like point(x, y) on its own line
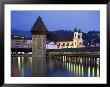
point(39, 27)
point(77, 30)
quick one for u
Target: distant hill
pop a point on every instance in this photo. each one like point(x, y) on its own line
point(90, 37)
point(60, 35)
point(21, 33)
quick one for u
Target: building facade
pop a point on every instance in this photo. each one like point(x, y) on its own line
point(51, 45)
point(20, 42)
point(76, 42)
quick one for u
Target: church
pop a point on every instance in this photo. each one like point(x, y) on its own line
point(75, 42)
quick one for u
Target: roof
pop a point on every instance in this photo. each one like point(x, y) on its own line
point(65, 39)
point(39, 27)
point(77, 30)
point(17, 37)
point(84, 49)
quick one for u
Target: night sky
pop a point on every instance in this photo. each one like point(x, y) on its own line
point(57, 20)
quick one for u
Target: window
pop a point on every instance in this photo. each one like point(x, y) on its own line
point(17, 43)
point(38, 36)
point(43, 40)
point(58, 44)
point(67, 44)
point(75, 35)
point(24, 41)
point(43, 45)
point(78, 36)
point(80, 43)
point(72, 44)
point(63, 44)
point(75, 43)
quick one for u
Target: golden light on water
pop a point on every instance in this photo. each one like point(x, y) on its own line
point(30, 60)
point(22, 68)
point(66, 65)
point(19, 63)
point(98, 71)
point(89, 71)
point(79, 70)
point(76, 69)
point(82, 70)
point(93, 71)
point(70, 68)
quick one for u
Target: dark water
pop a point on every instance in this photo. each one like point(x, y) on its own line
point(34, 67)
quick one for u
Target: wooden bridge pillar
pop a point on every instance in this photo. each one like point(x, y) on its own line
point(64, 58)
point(98, 61)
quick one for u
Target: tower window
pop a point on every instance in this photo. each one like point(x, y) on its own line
point(78, 36)
point(80, 43)
point(75, 35)
point(75, 43)
point(43, 45)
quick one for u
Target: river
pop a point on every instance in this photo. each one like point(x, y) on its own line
point(34, 67)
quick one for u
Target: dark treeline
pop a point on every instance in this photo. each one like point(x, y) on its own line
point(90, 37)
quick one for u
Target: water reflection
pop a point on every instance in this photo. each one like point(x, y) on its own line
point(39, 67)
point(42, 67)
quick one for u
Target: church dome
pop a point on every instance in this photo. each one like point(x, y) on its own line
point(79, 30)
point(75, 30)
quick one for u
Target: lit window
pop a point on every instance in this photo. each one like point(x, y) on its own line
point(75, 43)
point(72, 44)
point(67, 44)
point(75, 35)
point(63, 44)
point(80, 43)
point(58, 44)
point(78, 36)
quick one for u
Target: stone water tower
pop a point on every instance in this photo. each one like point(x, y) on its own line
point(39, 31)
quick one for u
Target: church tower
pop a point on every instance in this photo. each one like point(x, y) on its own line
point(77, 40)
point(39, 31)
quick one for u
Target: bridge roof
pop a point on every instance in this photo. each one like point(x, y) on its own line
point(84, 49)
